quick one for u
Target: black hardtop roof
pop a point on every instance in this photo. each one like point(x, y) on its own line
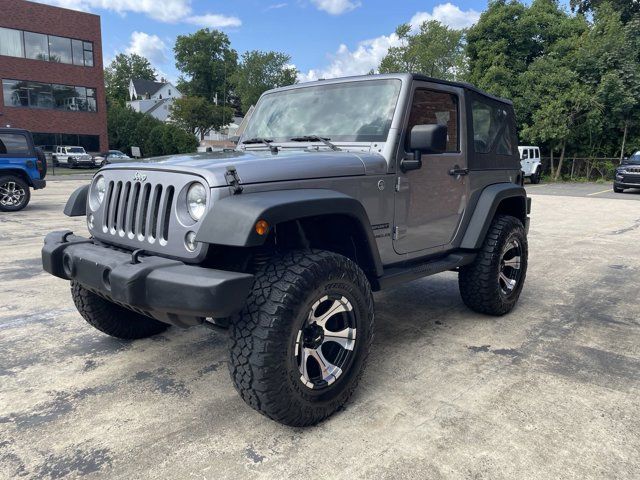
point(13, 130)
point(465, 85)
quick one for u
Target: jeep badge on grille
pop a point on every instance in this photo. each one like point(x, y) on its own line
point(139, 177)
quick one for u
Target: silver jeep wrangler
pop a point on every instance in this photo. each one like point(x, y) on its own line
point(337, 188)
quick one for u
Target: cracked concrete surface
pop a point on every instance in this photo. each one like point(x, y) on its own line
point(549, 391)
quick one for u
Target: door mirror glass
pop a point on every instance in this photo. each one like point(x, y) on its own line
point(429, 139)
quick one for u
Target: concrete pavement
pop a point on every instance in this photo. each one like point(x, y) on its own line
point(549, 391)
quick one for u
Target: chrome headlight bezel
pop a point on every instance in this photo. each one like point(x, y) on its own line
point(97, 192)
point(196, 201)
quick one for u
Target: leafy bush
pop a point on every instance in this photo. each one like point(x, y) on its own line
point(128, 128)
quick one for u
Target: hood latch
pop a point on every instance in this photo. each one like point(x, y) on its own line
point(233, 180)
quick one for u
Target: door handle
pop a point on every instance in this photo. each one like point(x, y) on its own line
point(457, 171)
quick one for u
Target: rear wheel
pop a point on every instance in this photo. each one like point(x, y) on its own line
point(299, 347)
point(14, 193)
point(493, 282)
point(535, 177)
point(113, 319)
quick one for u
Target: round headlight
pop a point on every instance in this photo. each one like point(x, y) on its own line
point(97, 194)
point(196, 201)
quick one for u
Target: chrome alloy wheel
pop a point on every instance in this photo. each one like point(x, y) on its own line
point(11, 195)
point(510, 266)
point(325, 344)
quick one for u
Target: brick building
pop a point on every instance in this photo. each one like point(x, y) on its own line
point(51, 74)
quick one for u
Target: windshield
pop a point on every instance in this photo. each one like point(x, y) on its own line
point(348, 112)
point(634, 159)
point(75, 150)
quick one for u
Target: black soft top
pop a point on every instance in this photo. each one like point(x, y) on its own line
point(466, 86)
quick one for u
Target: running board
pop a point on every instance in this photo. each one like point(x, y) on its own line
point(394, 276)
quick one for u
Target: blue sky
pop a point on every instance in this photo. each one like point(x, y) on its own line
point(325, 38)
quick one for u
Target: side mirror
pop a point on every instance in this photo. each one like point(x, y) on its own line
point(427, 139)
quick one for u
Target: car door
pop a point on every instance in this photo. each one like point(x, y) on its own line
point(431, 201)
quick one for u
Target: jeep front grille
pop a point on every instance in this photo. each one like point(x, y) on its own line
point(146, 209)
point(138, 210)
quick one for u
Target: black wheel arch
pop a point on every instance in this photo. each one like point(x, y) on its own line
point(301, 213)
point(16, 172)
point(497, 199)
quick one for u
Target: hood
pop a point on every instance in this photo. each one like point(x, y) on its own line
point(263, 166)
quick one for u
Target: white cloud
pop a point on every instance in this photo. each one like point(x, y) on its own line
point(369, 53)
point(448, 14)
point(213, 20)
point(149, 46)
point(168, 11)
point(276, 6)
point(336, 7)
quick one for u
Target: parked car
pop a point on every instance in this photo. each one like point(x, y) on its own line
point(112, 156)
point(531, 163)
point(337, 188)
point(72, 157)
point(628, 174)
point(22, 167)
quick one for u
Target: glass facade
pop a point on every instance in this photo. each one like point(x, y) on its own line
point(22, 93)
point(91, 143)
point(37, 46)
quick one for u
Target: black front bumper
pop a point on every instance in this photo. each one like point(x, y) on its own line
point(626, 184)
point(165, 289)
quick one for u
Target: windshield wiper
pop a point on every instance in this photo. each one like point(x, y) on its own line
point(265, 141)
point(317, 138)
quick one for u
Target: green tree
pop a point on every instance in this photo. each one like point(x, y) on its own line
point(628, 9)
point(120, 71)
point(435, 50)
point(207, 63)
point(259, 72)
point(197, 115)
point(128, 128)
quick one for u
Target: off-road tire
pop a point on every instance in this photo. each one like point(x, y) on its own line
point(263, 336)
point(535, 177)
point(479, 282)
point(19, 183)
point(113, 319)
point(618, 190)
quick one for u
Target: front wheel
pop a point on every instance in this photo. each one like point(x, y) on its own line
point(14, 193)
point(618, 189)
point(535, 177)
point(299, 347)
point(113, 319)
point(493, 282)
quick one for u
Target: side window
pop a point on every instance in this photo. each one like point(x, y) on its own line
point(13, 144)
point(525, 154)
point(532, 153)
point(491, 129)
point(430, 107)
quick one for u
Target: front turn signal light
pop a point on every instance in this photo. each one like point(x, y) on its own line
point(262, 227)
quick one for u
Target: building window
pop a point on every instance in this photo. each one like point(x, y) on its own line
point(37, 46)
point(21, 93)
point(60, 49)
point(11, 43)
point(91, 143)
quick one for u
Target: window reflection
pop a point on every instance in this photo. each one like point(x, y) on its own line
point(36, 46)
point(20, 93)
point(358, 111)
point(60, 49)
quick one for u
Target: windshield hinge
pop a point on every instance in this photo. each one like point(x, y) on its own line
point(233, 180)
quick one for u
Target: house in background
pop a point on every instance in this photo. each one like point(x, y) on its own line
point(153, 98)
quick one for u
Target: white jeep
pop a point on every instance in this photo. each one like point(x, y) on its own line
point(531, 163)
point(72, 157)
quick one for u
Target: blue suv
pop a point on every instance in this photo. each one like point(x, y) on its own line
point(22, 167)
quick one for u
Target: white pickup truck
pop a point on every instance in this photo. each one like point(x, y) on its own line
point(72, 157)
point(531, 162)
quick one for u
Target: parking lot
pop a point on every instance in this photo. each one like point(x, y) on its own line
point(548, 391)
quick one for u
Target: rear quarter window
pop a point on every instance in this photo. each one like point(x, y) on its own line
point(13, 144)
point(491, 129)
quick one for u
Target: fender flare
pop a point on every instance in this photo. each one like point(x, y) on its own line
point(486, 209)
point(231, 221)
point(77, 204)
